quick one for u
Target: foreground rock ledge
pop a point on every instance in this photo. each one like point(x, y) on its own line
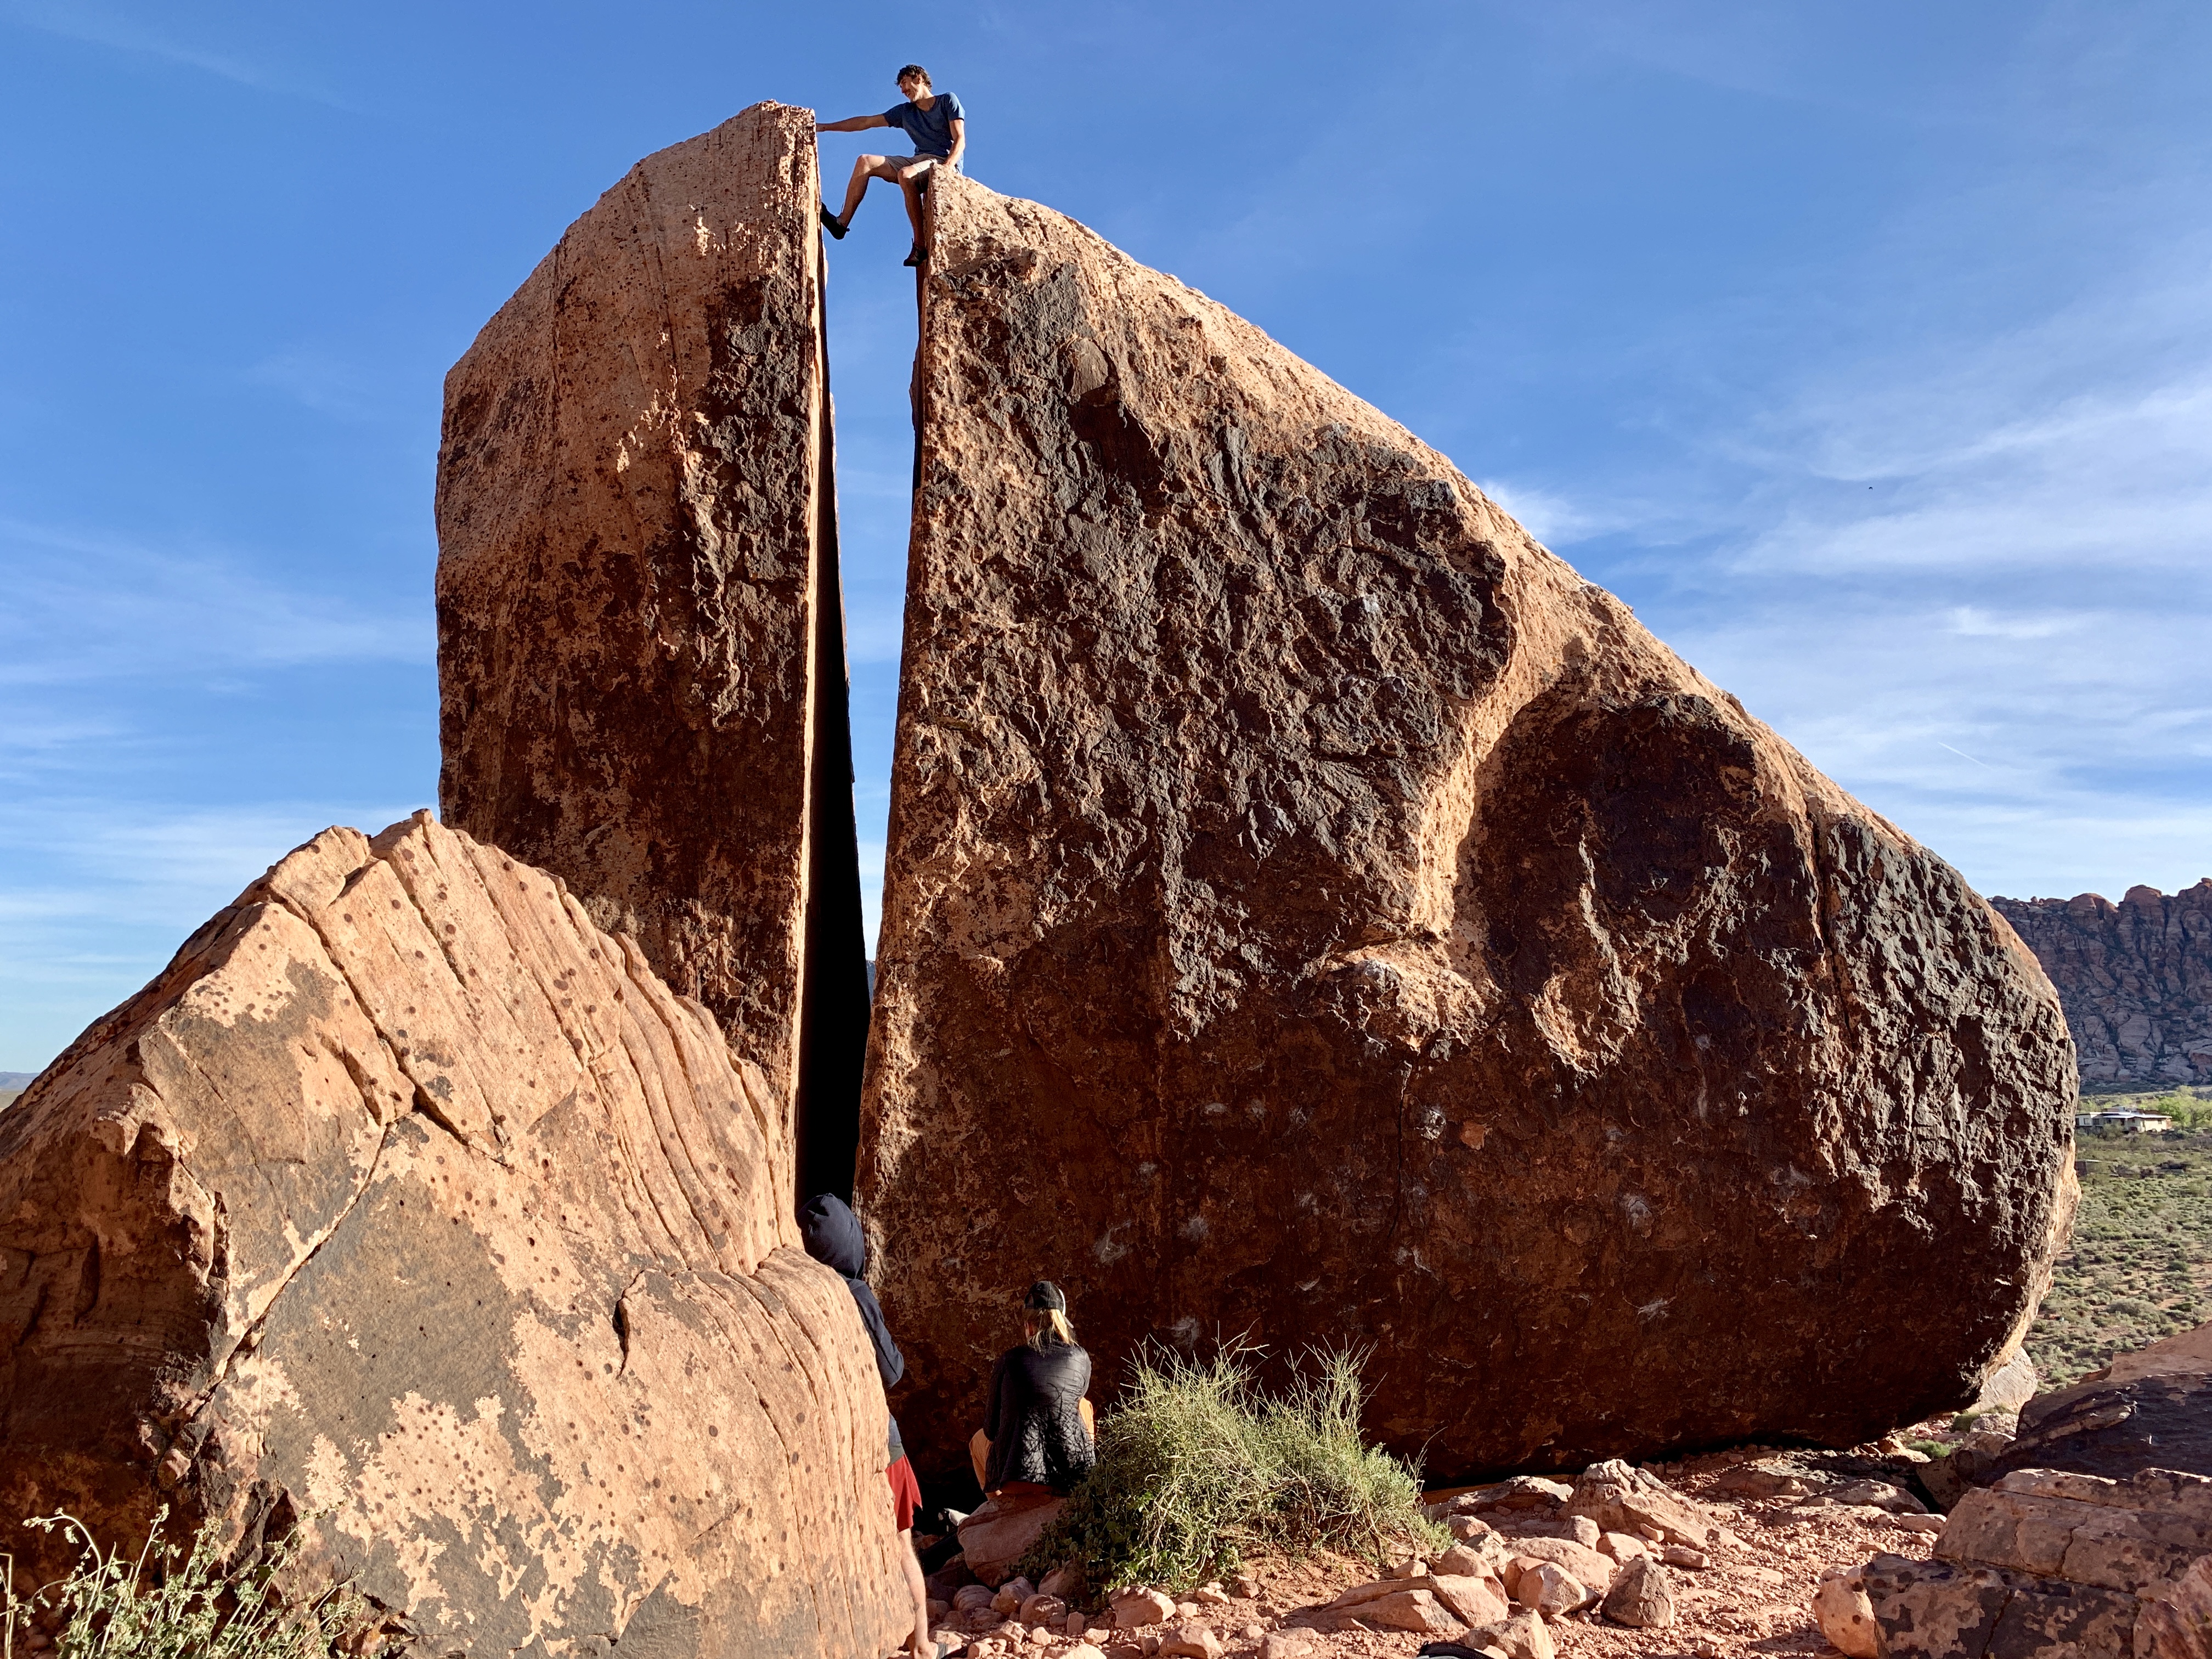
point(407, 1202)
point(1313, 912)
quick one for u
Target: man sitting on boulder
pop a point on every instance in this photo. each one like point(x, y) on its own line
point(938, 126)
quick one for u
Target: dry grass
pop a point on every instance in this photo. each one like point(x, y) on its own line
point(1197, 1469)
point(163, 1603)
point(2140, 1267)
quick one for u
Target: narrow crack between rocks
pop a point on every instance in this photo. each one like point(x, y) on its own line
point(833, 1010)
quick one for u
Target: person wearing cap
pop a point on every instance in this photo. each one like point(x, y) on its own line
point(1038, 1430)
point(832, 1236)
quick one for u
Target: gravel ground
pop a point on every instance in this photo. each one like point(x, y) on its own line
point(1755, 1598)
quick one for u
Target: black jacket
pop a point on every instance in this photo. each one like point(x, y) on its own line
point(833, 1237)
point(1035, 1422)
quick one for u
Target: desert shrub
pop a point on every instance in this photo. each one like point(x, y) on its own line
point(168, 1603)
point(1197, 1469)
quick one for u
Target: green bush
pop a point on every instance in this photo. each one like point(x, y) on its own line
point(156, 1606)
point(1197, 1469)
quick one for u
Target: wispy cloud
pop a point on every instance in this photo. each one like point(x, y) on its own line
point(93, 605)
point(98, 26)
point(318, 381)
point(1969, 575)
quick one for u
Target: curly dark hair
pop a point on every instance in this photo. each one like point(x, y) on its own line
point(914, 72)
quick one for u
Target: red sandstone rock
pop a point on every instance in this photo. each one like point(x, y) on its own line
point(2135, 978)
point(640, 640)
point(1314, 912)
point(408, 1203)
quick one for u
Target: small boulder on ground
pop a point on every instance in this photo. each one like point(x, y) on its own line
point(1416, 1610)
point(1189, 1640)
point(1621, 1497)
point(1048, 1611)
point(1001, 1532)
point(1641, 1596)
point(1462, 1560)
point(1584, 1563)
point(1136, 1609)
point(1845, 1614)
point(1523, 1636)
point(1546, 1586)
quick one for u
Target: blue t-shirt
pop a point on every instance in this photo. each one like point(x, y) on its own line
point(931, 129)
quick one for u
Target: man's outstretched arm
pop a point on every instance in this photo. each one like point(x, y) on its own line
point(851, 124)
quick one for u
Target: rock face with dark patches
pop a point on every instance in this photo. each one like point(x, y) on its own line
point(2055, 1563)
point(2135, 978)
point(641, 646)
point(408, 1203)
point(1314, 912)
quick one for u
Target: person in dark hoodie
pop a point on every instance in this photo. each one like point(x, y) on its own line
point(832, 1233)
point(1038, 1430)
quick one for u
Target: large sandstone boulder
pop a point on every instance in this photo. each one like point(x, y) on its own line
point(407, 1203)
point(641, 646)
point(1314, 912)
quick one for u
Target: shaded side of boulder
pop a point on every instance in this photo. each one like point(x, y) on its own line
point(640, 637)
point(1313, 911)
point(2154, 1420)
point(408, 1205)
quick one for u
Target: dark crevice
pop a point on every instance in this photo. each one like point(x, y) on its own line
point(833, 1009)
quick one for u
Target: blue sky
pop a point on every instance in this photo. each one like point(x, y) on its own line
point(1865, 351)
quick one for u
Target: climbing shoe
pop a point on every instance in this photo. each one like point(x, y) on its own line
point(830, 223)
point(916, 257)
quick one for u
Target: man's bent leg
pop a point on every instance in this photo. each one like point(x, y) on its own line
point(979, 1454)
point(864, 168)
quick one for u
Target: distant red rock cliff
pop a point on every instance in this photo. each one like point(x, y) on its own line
point(2135, 978)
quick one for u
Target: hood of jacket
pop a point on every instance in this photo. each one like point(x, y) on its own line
point(832, 1233)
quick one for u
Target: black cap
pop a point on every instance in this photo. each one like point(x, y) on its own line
point(1045, 1297)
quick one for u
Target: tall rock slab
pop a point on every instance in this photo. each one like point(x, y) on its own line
point(641, 646)
point(1314, 912)
point(2135, 978)
point(407, 1204)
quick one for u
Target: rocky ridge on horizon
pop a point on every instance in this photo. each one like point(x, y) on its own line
point(2135, 978)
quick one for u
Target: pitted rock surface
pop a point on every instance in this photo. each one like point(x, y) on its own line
point(640, 639)
point(2048, 1562)
point(1312, 911)
point(2135, 978)
point(407, 1202)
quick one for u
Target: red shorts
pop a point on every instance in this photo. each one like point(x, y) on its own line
point(906, 1492)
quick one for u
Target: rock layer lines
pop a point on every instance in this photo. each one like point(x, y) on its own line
point(409, 1203)
point(1314, 912)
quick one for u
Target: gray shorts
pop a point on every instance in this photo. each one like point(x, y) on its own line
point(895, 164)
